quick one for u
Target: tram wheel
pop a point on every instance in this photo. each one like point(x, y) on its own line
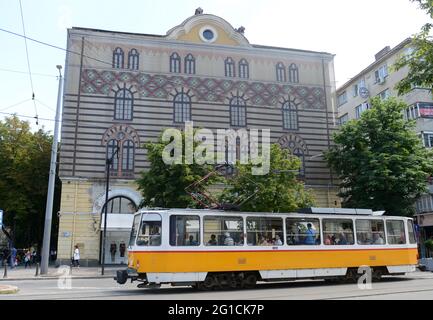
point(208, 283)
point(250, 281)
point(377, 275)
point(351, 276)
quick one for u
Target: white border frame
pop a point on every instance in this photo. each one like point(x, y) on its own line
point(207, 27)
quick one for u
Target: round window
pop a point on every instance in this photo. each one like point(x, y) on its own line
point(208, 34)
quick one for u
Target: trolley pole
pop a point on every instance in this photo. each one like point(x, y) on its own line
point(51, 182)
point(108, 163)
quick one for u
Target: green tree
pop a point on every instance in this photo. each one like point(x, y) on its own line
point(163, 185)
point(380, 160)
point(24, 169)
point(277, 191)
point(420, 60)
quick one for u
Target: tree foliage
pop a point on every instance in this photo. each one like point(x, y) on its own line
point(24, 170)
point(380, 160)
point(277, 191)
point(164, 184)
point(420, 60)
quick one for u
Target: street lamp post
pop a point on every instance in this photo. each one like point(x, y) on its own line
point(51, 183)
point(108, 163)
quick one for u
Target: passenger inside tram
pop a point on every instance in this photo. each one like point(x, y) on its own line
point(212, 241)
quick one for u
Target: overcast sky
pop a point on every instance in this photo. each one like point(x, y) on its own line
point(352, 30)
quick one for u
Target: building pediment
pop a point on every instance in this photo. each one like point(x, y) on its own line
point(208, 29)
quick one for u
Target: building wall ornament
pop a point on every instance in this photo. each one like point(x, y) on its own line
point(159, 86)
point(292, 142)
point(121, 132)
point(135, 196)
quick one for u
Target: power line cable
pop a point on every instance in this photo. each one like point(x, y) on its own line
point(15, 104)
point(26, 72)
point(45, 105)
point(28, 64)
point(30, 117)
point(56, 47)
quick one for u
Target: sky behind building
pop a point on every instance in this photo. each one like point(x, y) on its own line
point(352, 30)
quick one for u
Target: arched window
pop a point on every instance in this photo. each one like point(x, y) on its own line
point(118, 58)
point(244, 71)
point(281, 72)
point(189, 64)
point(111, 149)
point(290, 116)
point(238, 116)
point(175, 63)
point(229, 66)
point(293, 73)
point(119, 205)
point(123, 104)
point(133, 59)
point(298, 152)
point(128, 156)
point(182, 107)
point(125, 140)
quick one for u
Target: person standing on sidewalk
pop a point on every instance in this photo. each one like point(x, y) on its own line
point(27, 259)
point(13, 257)
point(76, 257)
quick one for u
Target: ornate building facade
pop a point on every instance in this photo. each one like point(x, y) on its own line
point(122, 89)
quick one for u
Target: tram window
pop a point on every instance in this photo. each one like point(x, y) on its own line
point(134, 230)
point(370, 232)
point(337, 232)
point(411, 231)
point(264, 231)
point(395, 232)
point(223, 231)
point(150, 231)
point(302, 231)
point(184, 230)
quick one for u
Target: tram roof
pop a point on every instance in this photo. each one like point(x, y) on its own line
point(311, 210)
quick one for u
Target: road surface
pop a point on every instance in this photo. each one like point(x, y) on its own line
point(418, 285)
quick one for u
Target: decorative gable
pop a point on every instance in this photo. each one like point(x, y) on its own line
point(209, 29)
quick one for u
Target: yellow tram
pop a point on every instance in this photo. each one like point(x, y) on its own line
point(218, 249)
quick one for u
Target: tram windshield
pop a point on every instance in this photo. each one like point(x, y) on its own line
point(150, 230)
point(134, 230)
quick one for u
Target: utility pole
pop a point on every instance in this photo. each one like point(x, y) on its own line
point(108, 163)
point(51, 182)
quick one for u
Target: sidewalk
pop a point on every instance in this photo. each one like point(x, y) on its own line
point(20, 273)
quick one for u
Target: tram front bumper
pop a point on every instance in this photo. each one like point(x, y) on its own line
point(123, 275)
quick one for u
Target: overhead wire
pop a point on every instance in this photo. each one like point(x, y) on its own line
point(26, 72)
point(28, 64)
point(56, 47)
point(15, 104)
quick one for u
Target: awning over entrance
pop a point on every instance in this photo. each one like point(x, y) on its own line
point(118, 222)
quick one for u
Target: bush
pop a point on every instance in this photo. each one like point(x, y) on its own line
point(429, 244)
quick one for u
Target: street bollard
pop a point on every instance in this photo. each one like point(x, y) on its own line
point(37, 270)
point(5, 274)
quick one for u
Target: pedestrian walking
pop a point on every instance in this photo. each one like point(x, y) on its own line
point(76, 257)
point(27, 259)
point(13, 257)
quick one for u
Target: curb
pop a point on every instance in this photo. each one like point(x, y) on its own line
point(57, 277)
point(8, 289)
